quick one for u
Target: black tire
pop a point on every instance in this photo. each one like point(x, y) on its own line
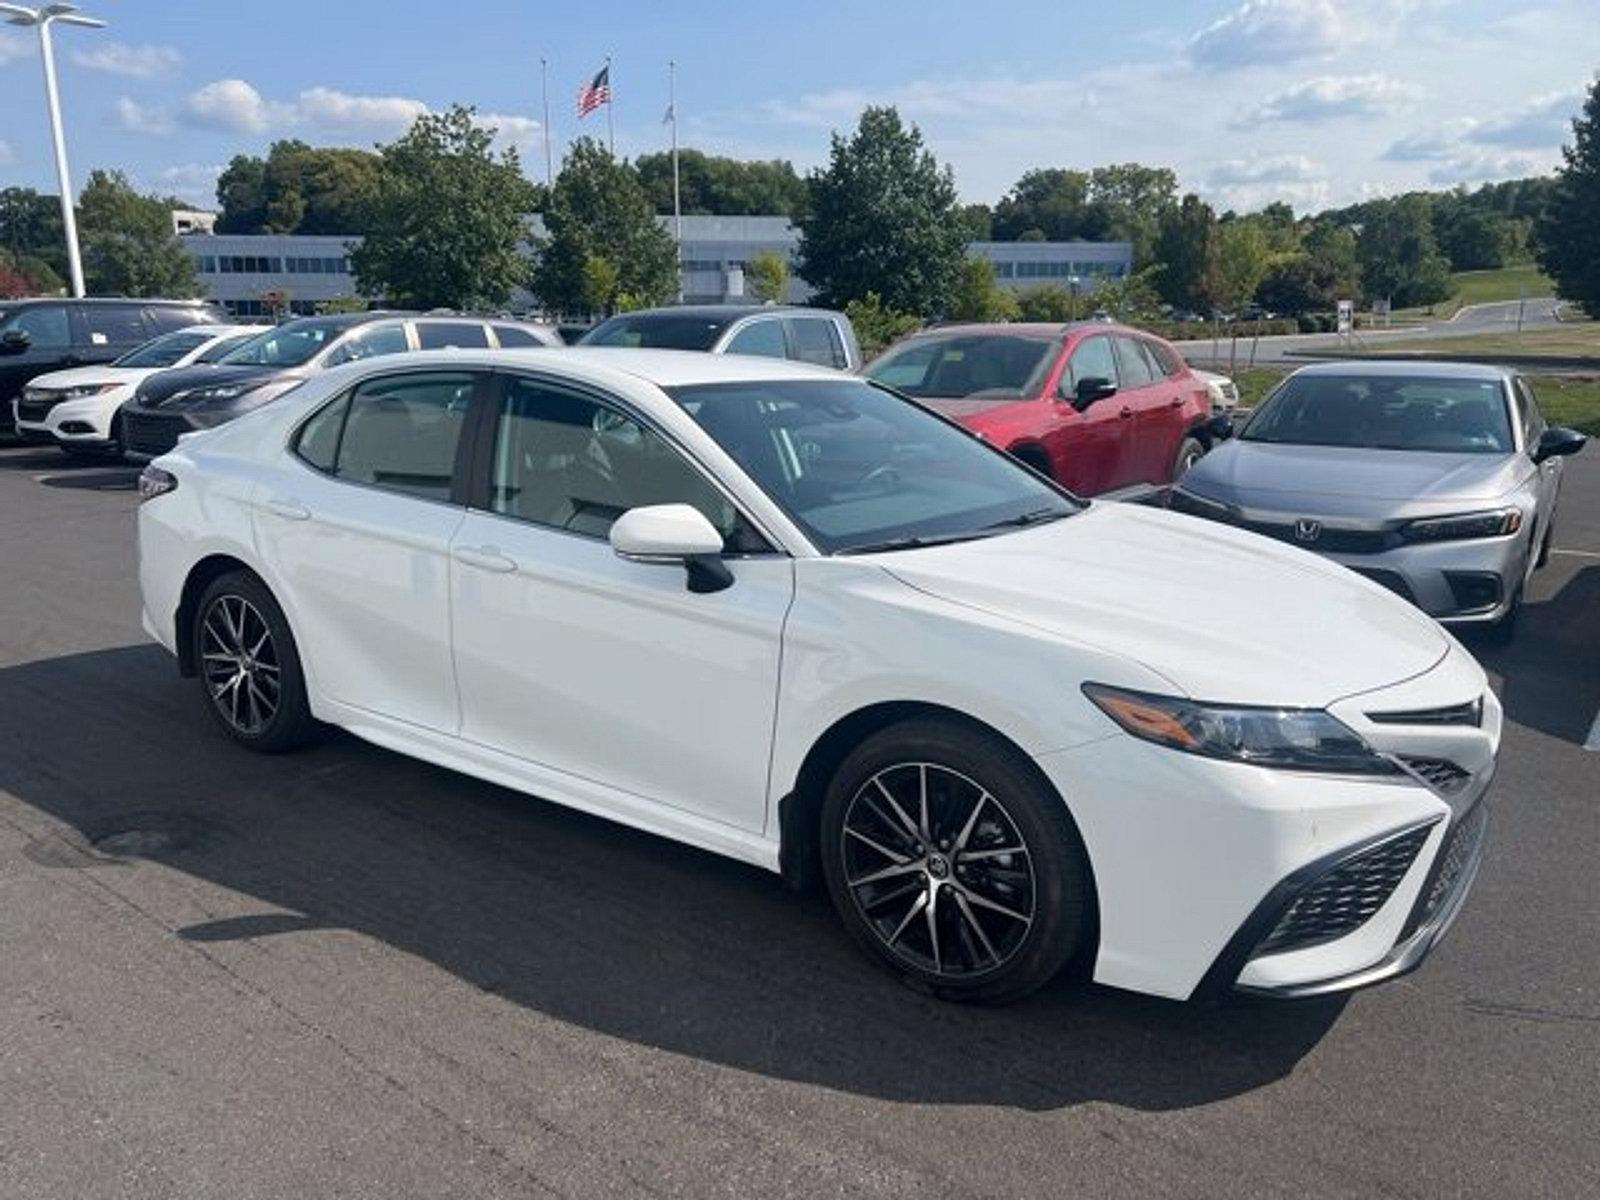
point(975, 946)
point(264, 651)
point(1190, 451)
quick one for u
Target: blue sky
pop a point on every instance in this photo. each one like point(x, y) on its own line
point(1312, 101)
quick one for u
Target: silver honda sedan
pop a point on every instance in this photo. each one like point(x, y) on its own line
point(1437, 480)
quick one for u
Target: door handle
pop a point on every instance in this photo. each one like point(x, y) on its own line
point(1175, 402)
point(485, 558)
point(1126, 412)
point(287, 509)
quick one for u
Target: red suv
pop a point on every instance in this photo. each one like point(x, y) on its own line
point(1099, 408)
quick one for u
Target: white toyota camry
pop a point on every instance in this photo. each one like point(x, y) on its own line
point(788, 616)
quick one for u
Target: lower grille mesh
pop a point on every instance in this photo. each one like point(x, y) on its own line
point(1346, 898)
point(1461, 845)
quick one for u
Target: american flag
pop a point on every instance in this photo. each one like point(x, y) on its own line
point(595, 93)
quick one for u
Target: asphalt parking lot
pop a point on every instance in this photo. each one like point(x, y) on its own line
point(344, 973)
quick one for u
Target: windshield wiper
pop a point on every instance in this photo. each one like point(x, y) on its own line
point(1037, 516)
point(913, 542)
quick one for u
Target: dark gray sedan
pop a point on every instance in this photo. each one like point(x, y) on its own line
point(1438, 481)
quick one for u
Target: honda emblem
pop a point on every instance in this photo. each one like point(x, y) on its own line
point(1307, 530)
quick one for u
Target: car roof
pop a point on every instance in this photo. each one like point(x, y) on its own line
point(727, 313)
point(1409, 369)
point(92, 300)
point(1052, 329)
point(663, 368)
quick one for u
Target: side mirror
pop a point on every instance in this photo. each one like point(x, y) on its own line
point(1090, 389)
point(673, 534)
point(1557, 442)
point(14, 341)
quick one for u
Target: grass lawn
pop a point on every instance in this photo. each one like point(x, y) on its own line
point(1485, 287)
point(1571, 339)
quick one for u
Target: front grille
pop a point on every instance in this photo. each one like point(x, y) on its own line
point(1442, 774)
point(1470, 713)
point(1328, 539)
point(152, 433)
point(1460, 849)
point(1344, 899)
point(36, 409)
point(1392, 580)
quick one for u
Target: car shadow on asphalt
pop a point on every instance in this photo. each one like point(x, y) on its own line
point(629, 935)
point(1550, 671)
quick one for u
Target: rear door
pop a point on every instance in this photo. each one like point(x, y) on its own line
point(108, 331)
point(441, 335)
point(816, 340)
point(762, 337)
point(357, 525)
point(1145, 394)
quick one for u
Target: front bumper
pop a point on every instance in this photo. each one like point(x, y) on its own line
point(1197, 863)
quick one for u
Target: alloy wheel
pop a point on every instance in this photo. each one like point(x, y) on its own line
point(239, 660)
point(938, 870)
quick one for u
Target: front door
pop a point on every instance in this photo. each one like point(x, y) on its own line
point(572, 658)
point(1092, 445)
point(358, 525)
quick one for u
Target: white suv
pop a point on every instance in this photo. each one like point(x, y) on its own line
point(780, 613)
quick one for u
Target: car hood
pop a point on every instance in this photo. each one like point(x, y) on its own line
point(1333, 480)
point(162, 386)
point(78, 376)
point(1224, 615)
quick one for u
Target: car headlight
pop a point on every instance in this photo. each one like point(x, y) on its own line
point(1179, 500)
point(1295, 739)
point(209, 395)
point(1464, 526)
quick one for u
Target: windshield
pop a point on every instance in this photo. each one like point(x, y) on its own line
point(968, 364)
point(1377, 412)
point(858, 468)
point(287, 345)
point(225, 347)
point(166, 349)
point(657, 331)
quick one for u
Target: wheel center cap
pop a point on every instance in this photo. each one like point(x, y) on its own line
point(937, 866)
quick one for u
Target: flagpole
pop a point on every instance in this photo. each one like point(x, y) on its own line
point(611, 104)
point(544, 89)
point(677, 202)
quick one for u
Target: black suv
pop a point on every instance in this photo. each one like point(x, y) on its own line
point(40, 336)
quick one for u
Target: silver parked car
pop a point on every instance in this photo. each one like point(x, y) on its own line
point(1437, 480)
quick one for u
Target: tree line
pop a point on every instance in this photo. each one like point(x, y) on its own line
point(445, 223)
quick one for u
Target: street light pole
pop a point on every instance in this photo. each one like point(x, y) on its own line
point(67, 14)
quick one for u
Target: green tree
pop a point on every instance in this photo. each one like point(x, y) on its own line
point(129, 248)
point(1132, 299)
point(1243, 257)
point(598, 208)
point(1473, 238)
point(767, 275)
point(1131, 199)
point(297, 189)
point(727, 187)
point(883, 217)
point(1399, 255)
point(876, 326)
point(30, 227)
point(979, 220)
point(1054, 202)
point(979, 296)
point(1186, 254)
point(1568, 234)
point(447, 220)
point(1048, 302)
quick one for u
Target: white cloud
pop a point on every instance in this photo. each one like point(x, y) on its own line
point(1542, 123)
point(142, 118)
point(1428, 146)
point(1331, 96)
point(1279, 168)
point(231, 105)
point(14, 46)
point(234, 106)
point(193, 182)
point(1269, 32)
point(119, 58)
point(1491, 166)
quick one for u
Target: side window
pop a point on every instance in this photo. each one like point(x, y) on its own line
point(1167, 360)
point(45, 325)
point(1133, 365)
point(112, 324)
point(398, 432)
point(369, 343)
point(816, 340)
point(1528, 414)
point(572, 463)
point(438, 335)
point(160, 318)
point(763, 338)
point(1091, 360)
point(515, 336)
